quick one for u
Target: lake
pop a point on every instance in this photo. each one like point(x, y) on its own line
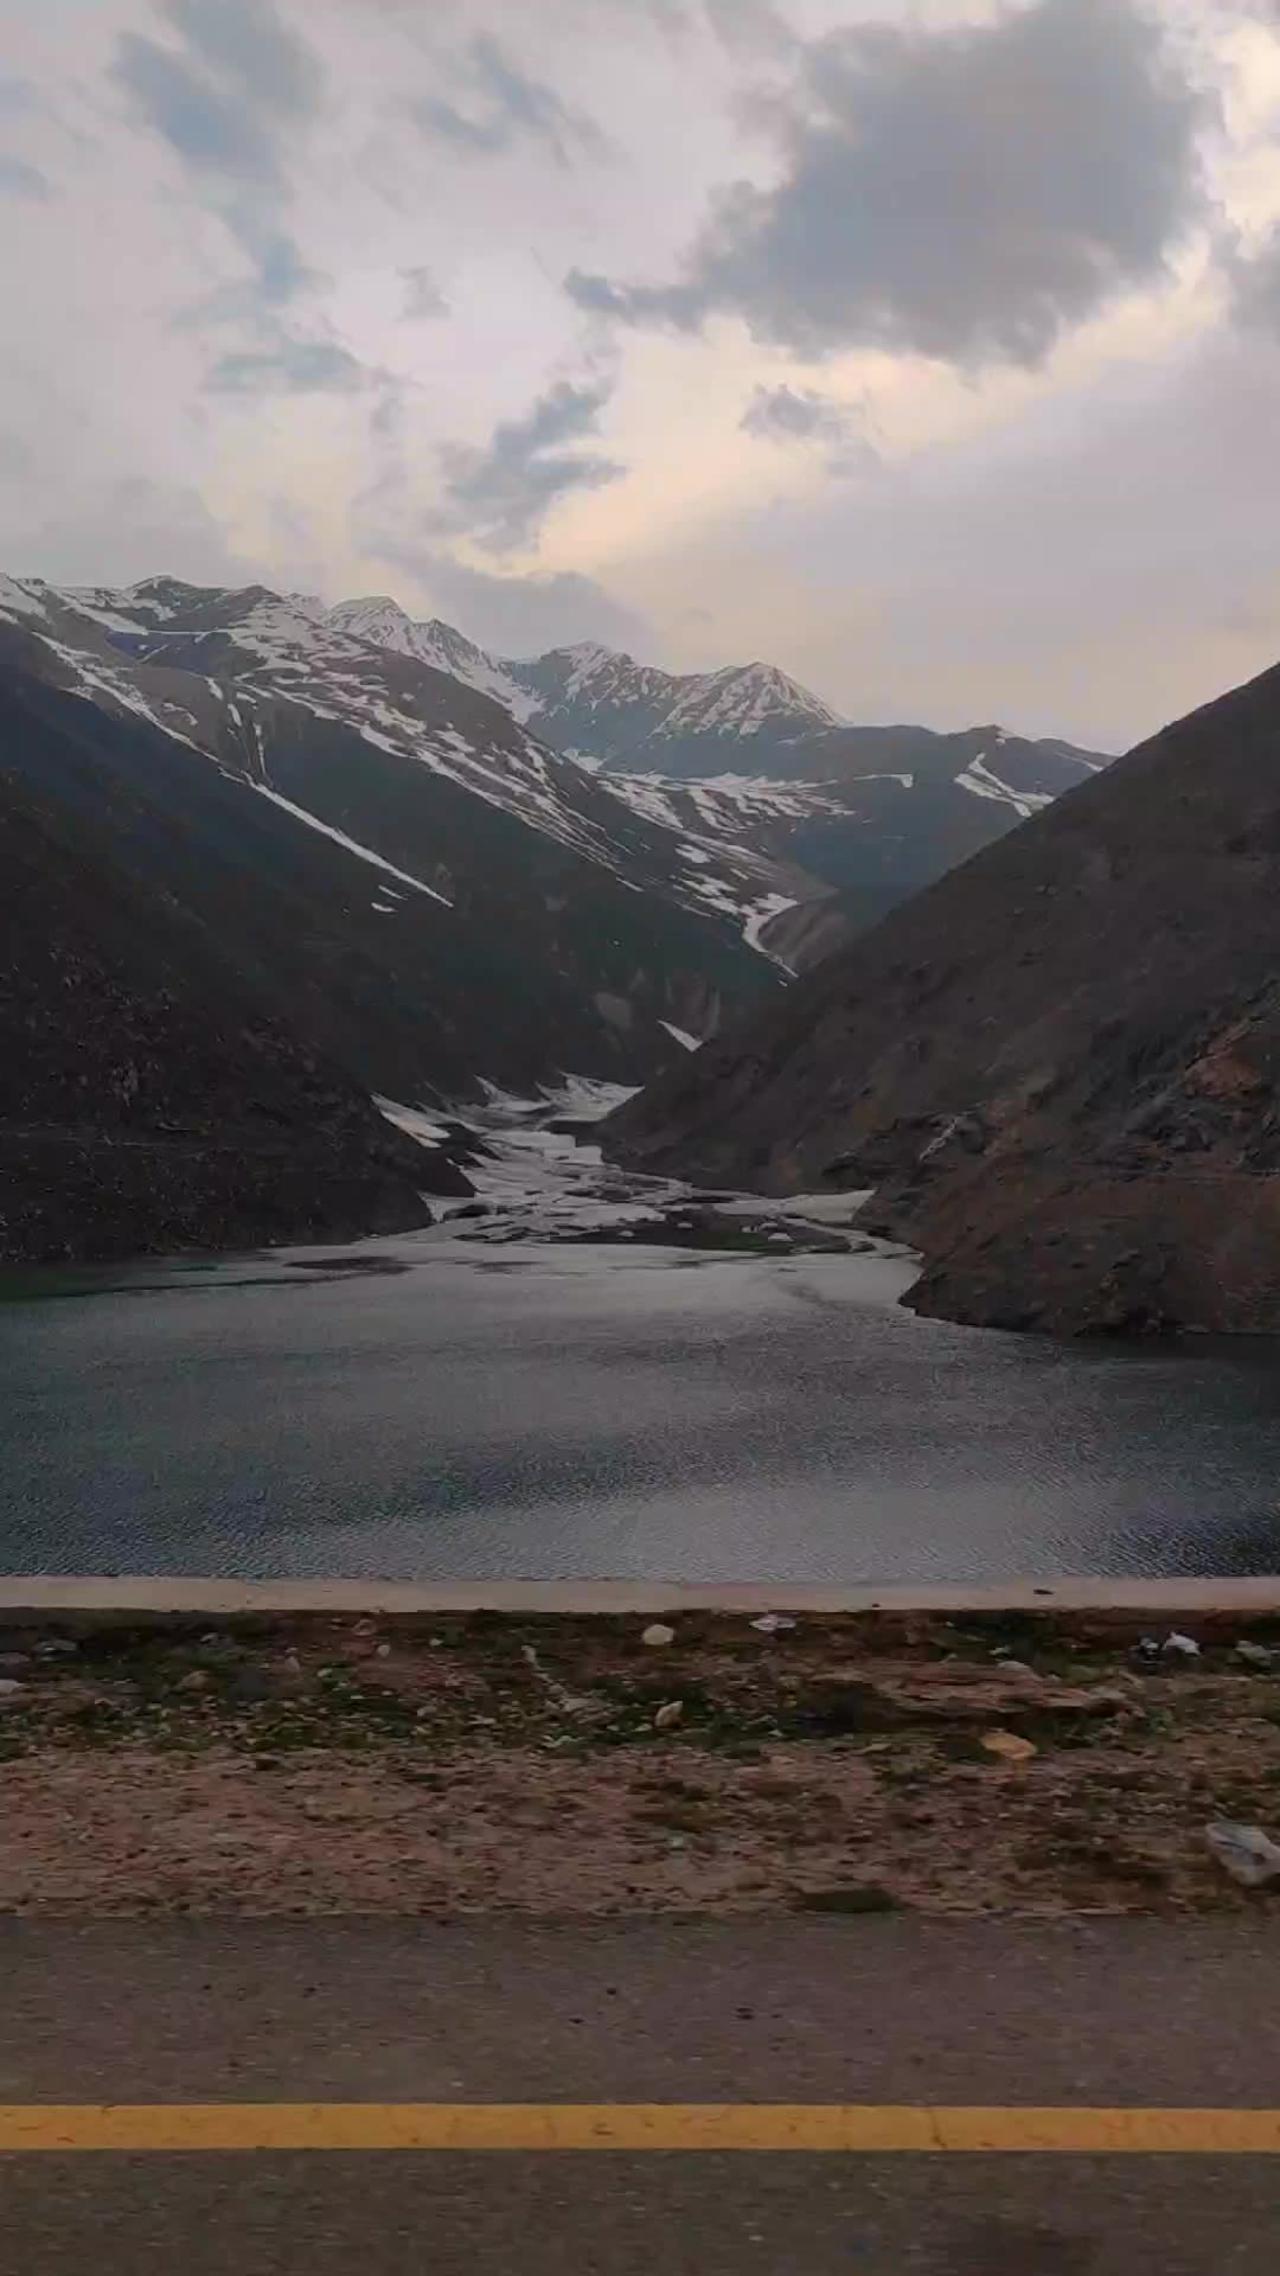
point(420, 1410)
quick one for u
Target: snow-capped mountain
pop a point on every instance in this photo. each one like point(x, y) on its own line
point(204, 662)
point(431, 641)
point(870, 811)
point(601, 706)
point(429, 894)
point(620, 713)
point(339, 843)
point(278, 689)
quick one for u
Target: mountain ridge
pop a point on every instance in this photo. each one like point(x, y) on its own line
point(868, 814)
point(1057, 1067)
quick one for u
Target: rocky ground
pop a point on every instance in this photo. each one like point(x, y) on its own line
point(538, 1174)
point(1037, 1764)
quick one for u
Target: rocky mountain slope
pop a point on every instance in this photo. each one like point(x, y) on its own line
point(380, 863)
point(428, 894)
point(747, 758)
point(1057, 1067)
point(145, 1101)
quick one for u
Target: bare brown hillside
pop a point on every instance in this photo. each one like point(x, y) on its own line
point(1057, 1066)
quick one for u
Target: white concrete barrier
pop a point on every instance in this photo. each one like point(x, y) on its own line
point(40, 1595)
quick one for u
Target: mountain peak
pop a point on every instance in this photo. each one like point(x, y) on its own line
point(429, 640)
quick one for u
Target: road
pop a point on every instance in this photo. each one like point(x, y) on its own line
point(899, 2018)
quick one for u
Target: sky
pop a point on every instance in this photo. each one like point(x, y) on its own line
point(929, 349)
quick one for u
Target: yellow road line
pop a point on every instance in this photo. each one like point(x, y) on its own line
point(868, 2128)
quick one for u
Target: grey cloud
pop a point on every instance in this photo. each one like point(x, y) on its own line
point(17, 97)
point(280, 272)
point(226, 95)
point(423, 298)
point(220, 97)
point(501, 493)
point(289, 366)
point(247, 44)
point(18, 180)
point(209, 127)
point(516, 616)
point(225, 99)
point(511, 107)
point(965, 193)
point(799, 415)
point(794, 413)
point(1255, 282)
point(129, 529)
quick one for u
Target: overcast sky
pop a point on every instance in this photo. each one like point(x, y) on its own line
point(927, 348)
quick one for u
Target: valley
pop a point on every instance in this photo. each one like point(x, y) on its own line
point(363, 835)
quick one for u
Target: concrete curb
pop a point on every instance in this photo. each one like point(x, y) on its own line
point(43, 1596)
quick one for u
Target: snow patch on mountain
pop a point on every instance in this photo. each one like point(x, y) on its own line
point(979, 778)
point(350, 845)
point(743, 699)
point(430, 641)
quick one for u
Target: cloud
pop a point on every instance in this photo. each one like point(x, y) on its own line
point(17, 97)
point(280, 272)
point(289, 366)
point(130, 529)
point(1255, 284)
point(19, 180)
point(513, 615)
point(800, 416)
point(423, 298)
point(248, 45)
point(207, 126)
point(784, 413)
point(228, 97)
point(965, 193)
point(499, 495)
point(512, 108)
point(225, 100)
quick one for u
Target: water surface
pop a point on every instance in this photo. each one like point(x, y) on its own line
point(417, 1410)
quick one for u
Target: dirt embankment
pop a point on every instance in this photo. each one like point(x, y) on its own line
point(1039, 1764)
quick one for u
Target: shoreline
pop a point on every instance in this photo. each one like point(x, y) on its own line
point(39, 1596)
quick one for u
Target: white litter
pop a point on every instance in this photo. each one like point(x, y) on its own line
point(1248, 1854)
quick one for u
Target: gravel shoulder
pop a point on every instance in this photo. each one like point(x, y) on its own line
point(443, 1765)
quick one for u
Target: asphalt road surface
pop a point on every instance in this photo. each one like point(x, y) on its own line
point(559, 2033)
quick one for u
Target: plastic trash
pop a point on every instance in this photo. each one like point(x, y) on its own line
point(773, 1623)
point(667, 1717)
point(10, 1688)
point(1185, 1647)
point(658, 1633)
point(1255, 1655)
point(1008, 1746)
point(1248, 1854)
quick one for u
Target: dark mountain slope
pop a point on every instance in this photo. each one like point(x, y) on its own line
point(746, 757)
point(145, 1103)
point(1058, 1065)
point(414, 886)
